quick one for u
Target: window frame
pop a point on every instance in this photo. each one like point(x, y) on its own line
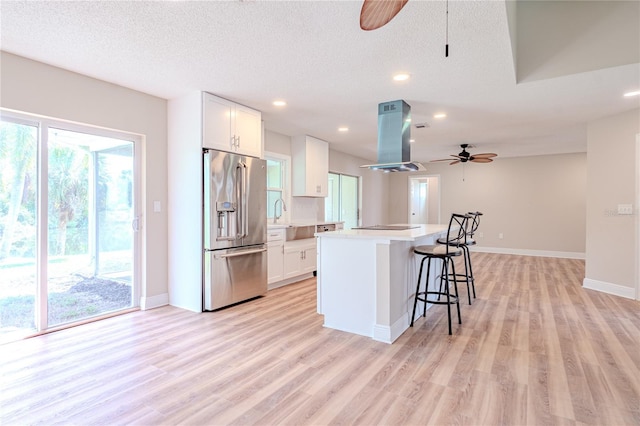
point(286, 183)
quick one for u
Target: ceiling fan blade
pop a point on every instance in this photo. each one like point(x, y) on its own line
point(445, 159)
point(485, 155)
point(481, 160)
point(376, 13)
point(454, 162)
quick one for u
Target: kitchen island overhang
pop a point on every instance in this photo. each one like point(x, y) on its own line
point(367, 279)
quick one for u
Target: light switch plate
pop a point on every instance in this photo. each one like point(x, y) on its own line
point(625, 208)
point(156, 206)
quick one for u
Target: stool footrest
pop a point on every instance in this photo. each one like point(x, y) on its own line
point(453, 299)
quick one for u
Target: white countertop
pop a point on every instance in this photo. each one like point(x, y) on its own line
point(289, 224)
point(405, 235)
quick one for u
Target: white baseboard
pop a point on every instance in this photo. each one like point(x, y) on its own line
point(385, 334)
point(527, 252)
point(154, 301)
point(609, 288)
point(288, 281)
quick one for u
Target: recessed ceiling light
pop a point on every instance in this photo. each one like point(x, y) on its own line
point(343, 129)
point(279, 103)
point(635, 93)
point(401, 77)
point(439, 115)
point(412, 140)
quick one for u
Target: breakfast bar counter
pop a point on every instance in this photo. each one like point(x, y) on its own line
point(367, 278)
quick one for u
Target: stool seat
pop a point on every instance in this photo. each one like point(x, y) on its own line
point(437, 250)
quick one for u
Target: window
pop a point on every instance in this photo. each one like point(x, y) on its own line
point(277, 185)
point(343, 200)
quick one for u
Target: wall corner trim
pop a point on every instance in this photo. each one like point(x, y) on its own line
point(152, 302)
point(609, 288)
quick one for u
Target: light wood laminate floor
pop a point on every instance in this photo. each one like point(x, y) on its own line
point(534, 348)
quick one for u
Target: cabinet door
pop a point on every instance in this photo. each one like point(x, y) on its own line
point(216, 126)
point(248, 131)
point(292, 263)
point(275, 262)
point(317, 167)
point(309, 260)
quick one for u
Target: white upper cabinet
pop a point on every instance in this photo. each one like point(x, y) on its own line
point(310, 161)
point(228, 126)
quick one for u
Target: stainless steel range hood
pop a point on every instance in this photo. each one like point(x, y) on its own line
point(394, 132)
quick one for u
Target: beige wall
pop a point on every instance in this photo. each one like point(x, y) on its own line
point(611, 165)
point(537, 203)
point(36, 88)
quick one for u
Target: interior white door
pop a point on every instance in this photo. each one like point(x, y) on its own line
point(424, 200)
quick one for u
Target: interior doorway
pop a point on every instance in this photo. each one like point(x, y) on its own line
point(424, 200)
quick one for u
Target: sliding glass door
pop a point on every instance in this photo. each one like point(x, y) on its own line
point(343, 200)
point(68, 225)
point(18, 228)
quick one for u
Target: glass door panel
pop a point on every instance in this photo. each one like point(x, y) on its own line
point(90, 234)
point(18, 237)
point(332, 202)
point(349, 201)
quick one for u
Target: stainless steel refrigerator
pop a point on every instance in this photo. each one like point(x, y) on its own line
point(235, 229)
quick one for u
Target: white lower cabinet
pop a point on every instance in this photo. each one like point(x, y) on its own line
point(299, 257)
point(275, 255)
point(275, 262)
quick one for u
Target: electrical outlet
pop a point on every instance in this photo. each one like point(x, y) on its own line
point(480, 234)
point(625, 208)
point(500, 236)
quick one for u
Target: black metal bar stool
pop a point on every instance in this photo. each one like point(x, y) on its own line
point(471, 227)
point(444, 252)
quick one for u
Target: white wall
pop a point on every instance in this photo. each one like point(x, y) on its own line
point(37, 88)
point(611, 166)
point(537, 203)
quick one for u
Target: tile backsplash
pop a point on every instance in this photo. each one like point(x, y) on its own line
point(307, 209)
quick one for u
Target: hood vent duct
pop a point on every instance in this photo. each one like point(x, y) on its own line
point(394, 133)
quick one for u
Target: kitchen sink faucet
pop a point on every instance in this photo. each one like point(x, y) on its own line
point(275, 214)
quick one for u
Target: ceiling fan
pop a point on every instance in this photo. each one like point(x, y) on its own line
point(376, 13)
point(465, 156)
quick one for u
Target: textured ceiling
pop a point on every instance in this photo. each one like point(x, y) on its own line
point(527, 97)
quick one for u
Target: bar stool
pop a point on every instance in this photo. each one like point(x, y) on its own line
point(444, 252)
point(470, 241)
point(471, 227)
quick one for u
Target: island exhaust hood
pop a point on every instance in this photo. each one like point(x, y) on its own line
point(394, 132)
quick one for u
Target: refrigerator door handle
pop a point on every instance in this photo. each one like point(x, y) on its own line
point(241, 193)
point(242, 253)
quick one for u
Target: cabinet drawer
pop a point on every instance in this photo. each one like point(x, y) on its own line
point(275, 235)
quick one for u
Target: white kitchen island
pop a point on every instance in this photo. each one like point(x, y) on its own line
point(367, 279)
